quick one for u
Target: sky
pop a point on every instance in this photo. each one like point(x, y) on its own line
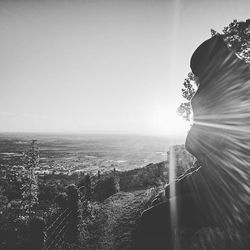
point(111, 66)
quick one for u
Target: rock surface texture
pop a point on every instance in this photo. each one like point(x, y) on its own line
point(210, 208)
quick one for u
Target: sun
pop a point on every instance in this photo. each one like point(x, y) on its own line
point(168, 122)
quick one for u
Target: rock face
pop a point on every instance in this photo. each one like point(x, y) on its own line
point(219, 137)
point(215, 196)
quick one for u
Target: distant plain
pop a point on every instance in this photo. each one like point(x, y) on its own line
point(95, 151)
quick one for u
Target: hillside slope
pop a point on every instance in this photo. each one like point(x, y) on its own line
point(115, 225)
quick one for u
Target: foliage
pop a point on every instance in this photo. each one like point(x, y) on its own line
point(104, 188)
point(62, 200)
point(73, 196)
point(18, 194)
point(113, 223)
point(187, 92)
point(47, 191)
point(72, 233)
point(88, 225)
point(24, 197)
point(3, 201)
point(237, 37)
point(149, 176)
point(50, 197)
point(36, 233)
point(84, 186)
point(19, 185)
point(13, 232)
point(30, 185)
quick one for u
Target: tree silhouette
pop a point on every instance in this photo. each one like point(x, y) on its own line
point(187, 92)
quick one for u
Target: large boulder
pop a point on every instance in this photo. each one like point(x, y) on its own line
point(216, 194)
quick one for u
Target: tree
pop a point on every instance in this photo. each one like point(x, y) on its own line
point(237, 37)
point(187, 92)
point(30, 186)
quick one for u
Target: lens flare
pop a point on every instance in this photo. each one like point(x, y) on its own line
point(173, 205)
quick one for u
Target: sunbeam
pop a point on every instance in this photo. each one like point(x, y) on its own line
point(173, 208)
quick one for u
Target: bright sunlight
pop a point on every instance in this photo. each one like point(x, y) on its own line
point(168, 122)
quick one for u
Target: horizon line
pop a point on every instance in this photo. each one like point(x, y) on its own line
point(94, 132)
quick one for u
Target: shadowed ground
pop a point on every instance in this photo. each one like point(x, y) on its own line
point(116, 222)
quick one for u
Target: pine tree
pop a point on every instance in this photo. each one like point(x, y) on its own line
point(30, 185)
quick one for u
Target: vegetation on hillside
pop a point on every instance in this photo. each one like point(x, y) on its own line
point(30, 201)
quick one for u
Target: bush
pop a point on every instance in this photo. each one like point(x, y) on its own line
point(62, 200)
point(104, 188)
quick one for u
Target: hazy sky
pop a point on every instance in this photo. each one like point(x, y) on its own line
point(100, 65)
